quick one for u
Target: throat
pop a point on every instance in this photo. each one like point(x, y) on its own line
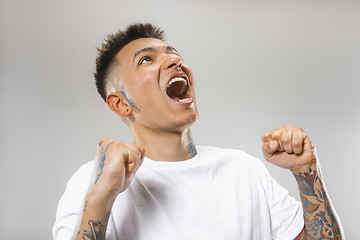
point(191, 145)
point(168, 147)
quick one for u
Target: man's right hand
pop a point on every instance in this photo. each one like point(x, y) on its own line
point(115, 166)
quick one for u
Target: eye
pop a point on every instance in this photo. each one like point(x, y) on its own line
point(145, 60)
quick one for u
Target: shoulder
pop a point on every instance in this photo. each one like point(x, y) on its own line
point(86, 167)
point(71, 202)
point(83, 174)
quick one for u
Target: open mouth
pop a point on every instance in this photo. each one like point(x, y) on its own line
point(178, 90)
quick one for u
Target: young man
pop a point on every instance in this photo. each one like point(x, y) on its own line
point(163, 186)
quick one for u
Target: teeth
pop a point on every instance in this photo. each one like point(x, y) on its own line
point(177, 79)
point(185, 100)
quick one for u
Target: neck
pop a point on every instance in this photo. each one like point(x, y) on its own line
point(166, 146)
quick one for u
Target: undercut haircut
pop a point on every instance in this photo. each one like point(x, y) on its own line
point(113, 44)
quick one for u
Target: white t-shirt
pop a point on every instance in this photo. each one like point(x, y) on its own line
point(218, 194)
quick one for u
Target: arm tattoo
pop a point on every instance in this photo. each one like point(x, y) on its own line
point(320, 222)
point(100, 162)
point(96, 229)
point(192, 149)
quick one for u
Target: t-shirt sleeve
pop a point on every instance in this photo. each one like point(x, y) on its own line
point(285, 212)
point(71, 203)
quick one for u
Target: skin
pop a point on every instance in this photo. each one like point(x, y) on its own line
point(145, 78)
point(291, 148)
point(161, 128)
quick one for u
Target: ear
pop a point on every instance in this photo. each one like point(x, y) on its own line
point(118, 104)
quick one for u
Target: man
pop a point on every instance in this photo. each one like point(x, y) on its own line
point(163, 186)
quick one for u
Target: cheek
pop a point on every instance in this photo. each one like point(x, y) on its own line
point(147, 82)
point(146, 87)
point(149, 78)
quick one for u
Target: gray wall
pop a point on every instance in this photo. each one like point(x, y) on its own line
point(258, 64)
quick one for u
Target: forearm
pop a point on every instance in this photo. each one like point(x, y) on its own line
point(97, 205)
point(320, 221)
point(110, 177)
point(95, 216)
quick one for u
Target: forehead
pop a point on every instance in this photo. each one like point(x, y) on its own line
point(128, 51)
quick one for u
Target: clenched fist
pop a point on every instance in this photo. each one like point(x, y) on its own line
point(115, 165)
point(288, 147)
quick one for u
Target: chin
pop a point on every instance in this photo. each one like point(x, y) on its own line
point(190, 121)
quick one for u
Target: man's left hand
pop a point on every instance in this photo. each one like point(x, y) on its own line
point(289, 148)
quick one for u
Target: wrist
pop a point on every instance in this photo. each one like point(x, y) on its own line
point(101, 198)
point(308, 168)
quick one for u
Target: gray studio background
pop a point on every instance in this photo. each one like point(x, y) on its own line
point(258, 64)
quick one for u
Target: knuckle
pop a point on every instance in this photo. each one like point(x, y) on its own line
point(298, 129)
point(275, 135)
point(264, 136)
point(296, 144)
point(119, 148)
point(105, 140)
point(119, 144)
point(123, 148)
point(125, 155)
point(102, 141)
point(264, 147)
point(285, 138)
point(267, 133)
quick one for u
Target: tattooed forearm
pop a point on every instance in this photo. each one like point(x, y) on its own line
point(99, 163)
point(95, 229)
point(88, 227)
point(320, 222)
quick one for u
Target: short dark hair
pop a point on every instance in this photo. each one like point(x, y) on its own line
point(114, 43)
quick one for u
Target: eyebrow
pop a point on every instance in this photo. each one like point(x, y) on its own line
point(151, 49)
point(170, 49)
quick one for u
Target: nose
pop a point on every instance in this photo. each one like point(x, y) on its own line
point(174, 62)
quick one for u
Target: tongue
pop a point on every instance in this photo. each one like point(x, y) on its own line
point(176, 90)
